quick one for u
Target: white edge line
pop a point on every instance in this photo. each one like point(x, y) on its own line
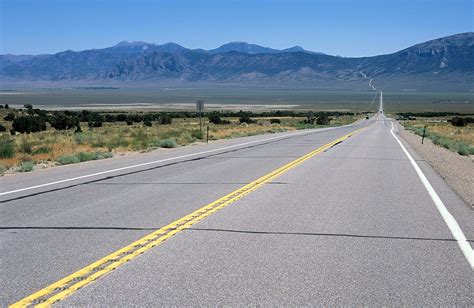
point(163, 160)
point(448, 218)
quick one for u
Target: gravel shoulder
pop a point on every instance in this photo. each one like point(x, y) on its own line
point(456, 170)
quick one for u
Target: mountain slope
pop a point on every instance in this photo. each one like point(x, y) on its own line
point(446, 61)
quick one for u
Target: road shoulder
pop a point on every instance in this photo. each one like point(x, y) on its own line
point(456, 170)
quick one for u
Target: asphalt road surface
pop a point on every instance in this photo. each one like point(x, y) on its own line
point(353, 224)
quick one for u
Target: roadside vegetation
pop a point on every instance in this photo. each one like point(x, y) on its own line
point(32, 138)
point(454, 132)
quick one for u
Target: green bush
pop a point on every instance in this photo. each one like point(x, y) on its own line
point(165, 119)
point(2, 169)
point(26, 166)
point(29, 124)
point(147, 123)
point(117, 142)
point(167, 143)
point(61, 121)
point(82, 157)
point(86, 156)
point(41, 150)
point(102, 155)
point(2, 128)
point(197, 134)
point(460, 147)
point(246, 119)
point(457, 121)
point(7, 147)
point(9, 117)
point(68, 159)
point(141, 140)
point(275, 121)
point(463, 149)
point(214, 118)
point(25, 146)
point(323, 120)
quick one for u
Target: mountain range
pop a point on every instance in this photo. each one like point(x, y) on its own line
point(445, 63)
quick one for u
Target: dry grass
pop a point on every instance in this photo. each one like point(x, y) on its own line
point(49, 146)
point(441, 127)
point(442, 133)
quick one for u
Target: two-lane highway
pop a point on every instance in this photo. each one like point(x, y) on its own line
point(306, 218)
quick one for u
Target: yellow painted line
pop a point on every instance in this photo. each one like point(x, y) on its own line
point(70, 284)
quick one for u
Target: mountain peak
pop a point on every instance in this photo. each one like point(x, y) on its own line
point(133, 44)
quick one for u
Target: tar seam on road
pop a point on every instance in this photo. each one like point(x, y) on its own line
point(367, 236)
point(70, 284)
point(449, 219)
point(162, 160)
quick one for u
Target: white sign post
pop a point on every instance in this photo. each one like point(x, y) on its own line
point(200, 109)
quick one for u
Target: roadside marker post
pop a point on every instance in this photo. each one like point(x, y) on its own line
point(424, 132)
point(310, 118)
point(207, 135)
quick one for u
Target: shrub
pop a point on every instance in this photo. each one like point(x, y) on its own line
point(95, 124)
point(323, 120)
point(7, 147)
point(457, 121)
point(9, 117)
point(214, 118)
point(41, 150)
point(198, 134)
point(122, 117)
point(68, 159)
point(2, 128)
point(79, 138)
point(147, 123)
point(275, 121)
point(117, 142)
point(141, 140)
point(82, 157)
point(78, 128)
point(185, 138)
point(102, 155)
point(464, 149)
point(2, 169)
point(62, 121)
point(167, 143)
point(246, 119)
point(165, 119)
point(25, 146)
point(110, 118)
point(29, 124)
point(26, 166)
point(86, 156)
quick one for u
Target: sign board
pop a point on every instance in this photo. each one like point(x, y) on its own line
point(199, 106)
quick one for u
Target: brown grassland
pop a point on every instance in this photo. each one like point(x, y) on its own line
point(55, 147)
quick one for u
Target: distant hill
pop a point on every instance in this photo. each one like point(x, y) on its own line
point(444, 63)
point(254, 49)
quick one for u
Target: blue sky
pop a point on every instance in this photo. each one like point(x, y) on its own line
point(346, 28)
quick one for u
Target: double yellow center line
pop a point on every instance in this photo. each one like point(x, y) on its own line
point(70, 284)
